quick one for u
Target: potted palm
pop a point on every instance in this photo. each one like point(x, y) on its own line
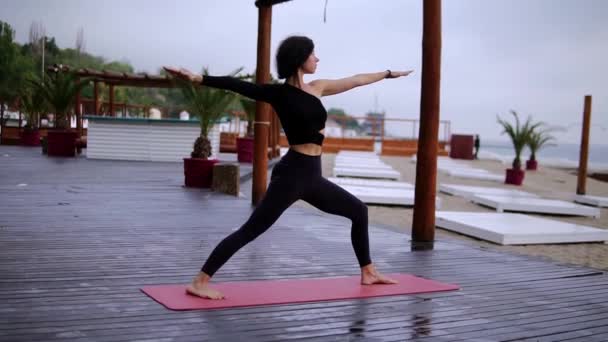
point(59, 90)
point(538, 139)
point(208, 105)
point(33, 105)
point(519, 135)
point(244, 145)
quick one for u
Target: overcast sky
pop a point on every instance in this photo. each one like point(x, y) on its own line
point(539, 57)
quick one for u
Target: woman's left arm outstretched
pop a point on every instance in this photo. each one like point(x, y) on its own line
point(332, 87)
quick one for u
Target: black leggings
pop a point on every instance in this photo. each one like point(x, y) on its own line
point(296, 176)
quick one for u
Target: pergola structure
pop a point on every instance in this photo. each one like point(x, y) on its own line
point(423, 229)
point(115, 79)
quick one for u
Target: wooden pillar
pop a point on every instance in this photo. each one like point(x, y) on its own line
point(261, 123)
point(78, 112)
point(111, 100)
point(581, 186)
point(1, 121)
point(277, 135)
point(423, 227)
point(20, 116)
point(271, 136)
point(96, 97)
point(274, 133)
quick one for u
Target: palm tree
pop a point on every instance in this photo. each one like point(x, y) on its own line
point(249, 108)
point(538, 139)
point(519, 134)
point(60, 90)
point(33, 104)
point(208, 105)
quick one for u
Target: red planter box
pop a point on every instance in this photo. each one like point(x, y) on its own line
point(198, 172)
point(30, 137)
point(515, 177)
point(61, 143)
point(244, 150)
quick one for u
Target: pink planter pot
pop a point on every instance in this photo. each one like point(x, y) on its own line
point(531, 165)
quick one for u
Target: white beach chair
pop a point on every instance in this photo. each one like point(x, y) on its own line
point(517, 229)
point(535, 205)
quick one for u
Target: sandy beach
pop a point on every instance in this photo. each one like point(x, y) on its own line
point(547, 182)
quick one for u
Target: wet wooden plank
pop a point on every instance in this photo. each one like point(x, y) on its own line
point(78, 244)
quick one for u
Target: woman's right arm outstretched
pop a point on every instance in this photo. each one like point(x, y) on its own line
point(248, 89)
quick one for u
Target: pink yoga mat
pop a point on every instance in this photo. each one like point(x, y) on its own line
point(268, 292)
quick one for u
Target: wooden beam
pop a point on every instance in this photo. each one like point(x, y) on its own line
point(96, 97)
point(262, 122)
point(111, 90)
point(581, 186)
point(423, 227)
point(260, 3)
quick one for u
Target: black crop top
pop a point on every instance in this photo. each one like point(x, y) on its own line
point(301, 113)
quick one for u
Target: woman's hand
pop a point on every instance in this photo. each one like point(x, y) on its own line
point(184, 74)
point(395, 74)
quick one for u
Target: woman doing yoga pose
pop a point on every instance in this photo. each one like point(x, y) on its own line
point(298, 174)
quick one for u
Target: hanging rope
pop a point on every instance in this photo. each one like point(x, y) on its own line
point(325, 12)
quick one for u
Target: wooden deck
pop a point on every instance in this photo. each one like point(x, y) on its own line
point(78, 238)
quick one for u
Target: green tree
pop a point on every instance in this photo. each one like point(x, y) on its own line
point(15, 68)
point(343, 118)
point(33, 104)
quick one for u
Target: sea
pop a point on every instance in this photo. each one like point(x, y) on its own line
point(564, 151)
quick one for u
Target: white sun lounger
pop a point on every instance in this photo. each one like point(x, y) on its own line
point(456, 170)
point(357, 153)
point(366, 173)
point(595, 201)
point(372, 183)
point(535, 205)
point(387, 196)
point(468, 191)
point(517, 229)
point(478, 176)
point(363, 166)
point(360, 161)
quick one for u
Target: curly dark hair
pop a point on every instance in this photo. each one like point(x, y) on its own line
point(292, 53)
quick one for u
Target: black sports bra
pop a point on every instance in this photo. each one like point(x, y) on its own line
point(302, 114)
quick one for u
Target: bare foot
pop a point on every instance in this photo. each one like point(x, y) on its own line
point(369, 276)
point(200, 287)
point(204, 291)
